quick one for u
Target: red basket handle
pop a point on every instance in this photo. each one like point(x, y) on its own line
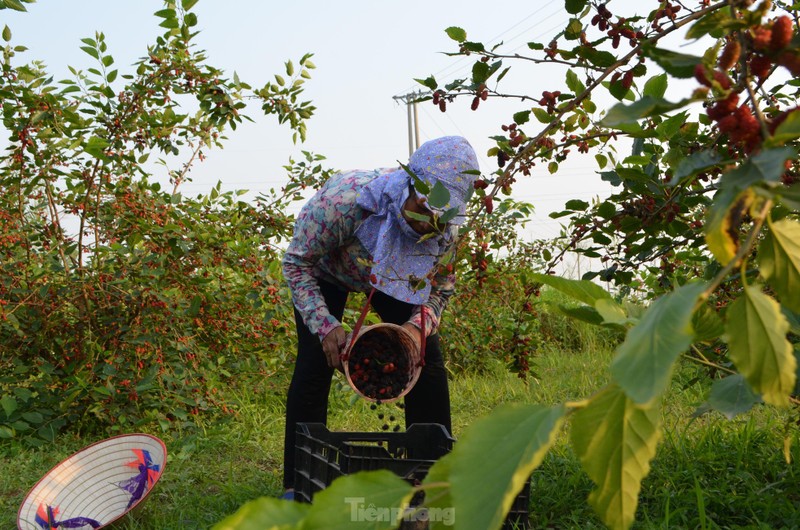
point(422, 336)
point(359, 322)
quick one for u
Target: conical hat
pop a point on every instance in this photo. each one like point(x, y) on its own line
point(95, 486)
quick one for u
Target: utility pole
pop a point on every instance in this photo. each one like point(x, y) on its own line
point(410, 100)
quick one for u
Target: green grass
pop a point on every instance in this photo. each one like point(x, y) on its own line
point(709, 472)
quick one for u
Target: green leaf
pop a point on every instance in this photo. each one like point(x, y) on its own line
point(166, 13)
point(418, 216)
point(599, 58)
point(170, 23)
point(583, 290)
point(734, 197)
point(573, 83)
point(644, 361)
point(714, 24)
point(15, 5)
point(622, 114)
point(33, 417)
point(732, 396)
point(429, 82)
point(584, 313)
point(576, 205)
point(522, 117)
point(6, 34)
point(9, 405)
point(473, 46)
point(611, 311)
point(758, 345)
point(766, 166)
point(676, 64)
point(95, 146)
point(573, 30)
point(492, 461)
point(724, 217)
point(779, 258)
point(439, 197)
point(456, 33)
point(188, 4)
point(672, 125)
point(344, 504)
point(480, 72)
point(615, 440)
point(656, 86)
point(542, 115)
point(618, 90)
point(694, 164)
point(575, 6)
point(91, 51)
point(707, 324)
point(788, 130)
point(265, 514)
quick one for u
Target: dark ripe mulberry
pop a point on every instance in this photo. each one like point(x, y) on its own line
point(724, 107)
point(782, 30)
point(760, 66)
point(627, 79)
point(442, 105)
point(700, 75)
point(722, 79)
point(475, 102)
point(791, 61)
point(480, 184)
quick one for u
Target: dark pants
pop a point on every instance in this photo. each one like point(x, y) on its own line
point(307, 402)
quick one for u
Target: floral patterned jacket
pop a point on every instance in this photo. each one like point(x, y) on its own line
point(324, 247)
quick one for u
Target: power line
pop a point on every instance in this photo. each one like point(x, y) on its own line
point(457, 65)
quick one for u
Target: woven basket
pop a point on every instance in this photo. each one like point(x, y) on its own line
point(407, 347)
point(95, 486)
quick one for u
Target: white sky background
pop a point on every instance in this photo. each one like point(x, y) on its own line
point(365, 51)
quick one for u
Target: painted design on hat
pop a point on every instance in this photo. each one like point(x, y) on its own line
point(147, 475)
point(46, 518)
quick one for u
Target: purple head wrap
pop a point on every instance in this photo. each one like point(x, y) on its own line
point(402, 261)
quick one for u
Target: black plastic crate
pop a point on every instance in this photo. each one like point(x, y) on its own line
point(321, 456)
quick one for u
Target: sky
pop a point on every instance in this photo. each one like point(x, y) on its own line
point(366, 52)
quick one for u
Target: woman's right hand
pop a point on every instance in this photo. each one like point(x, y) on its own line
point(333, 345)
